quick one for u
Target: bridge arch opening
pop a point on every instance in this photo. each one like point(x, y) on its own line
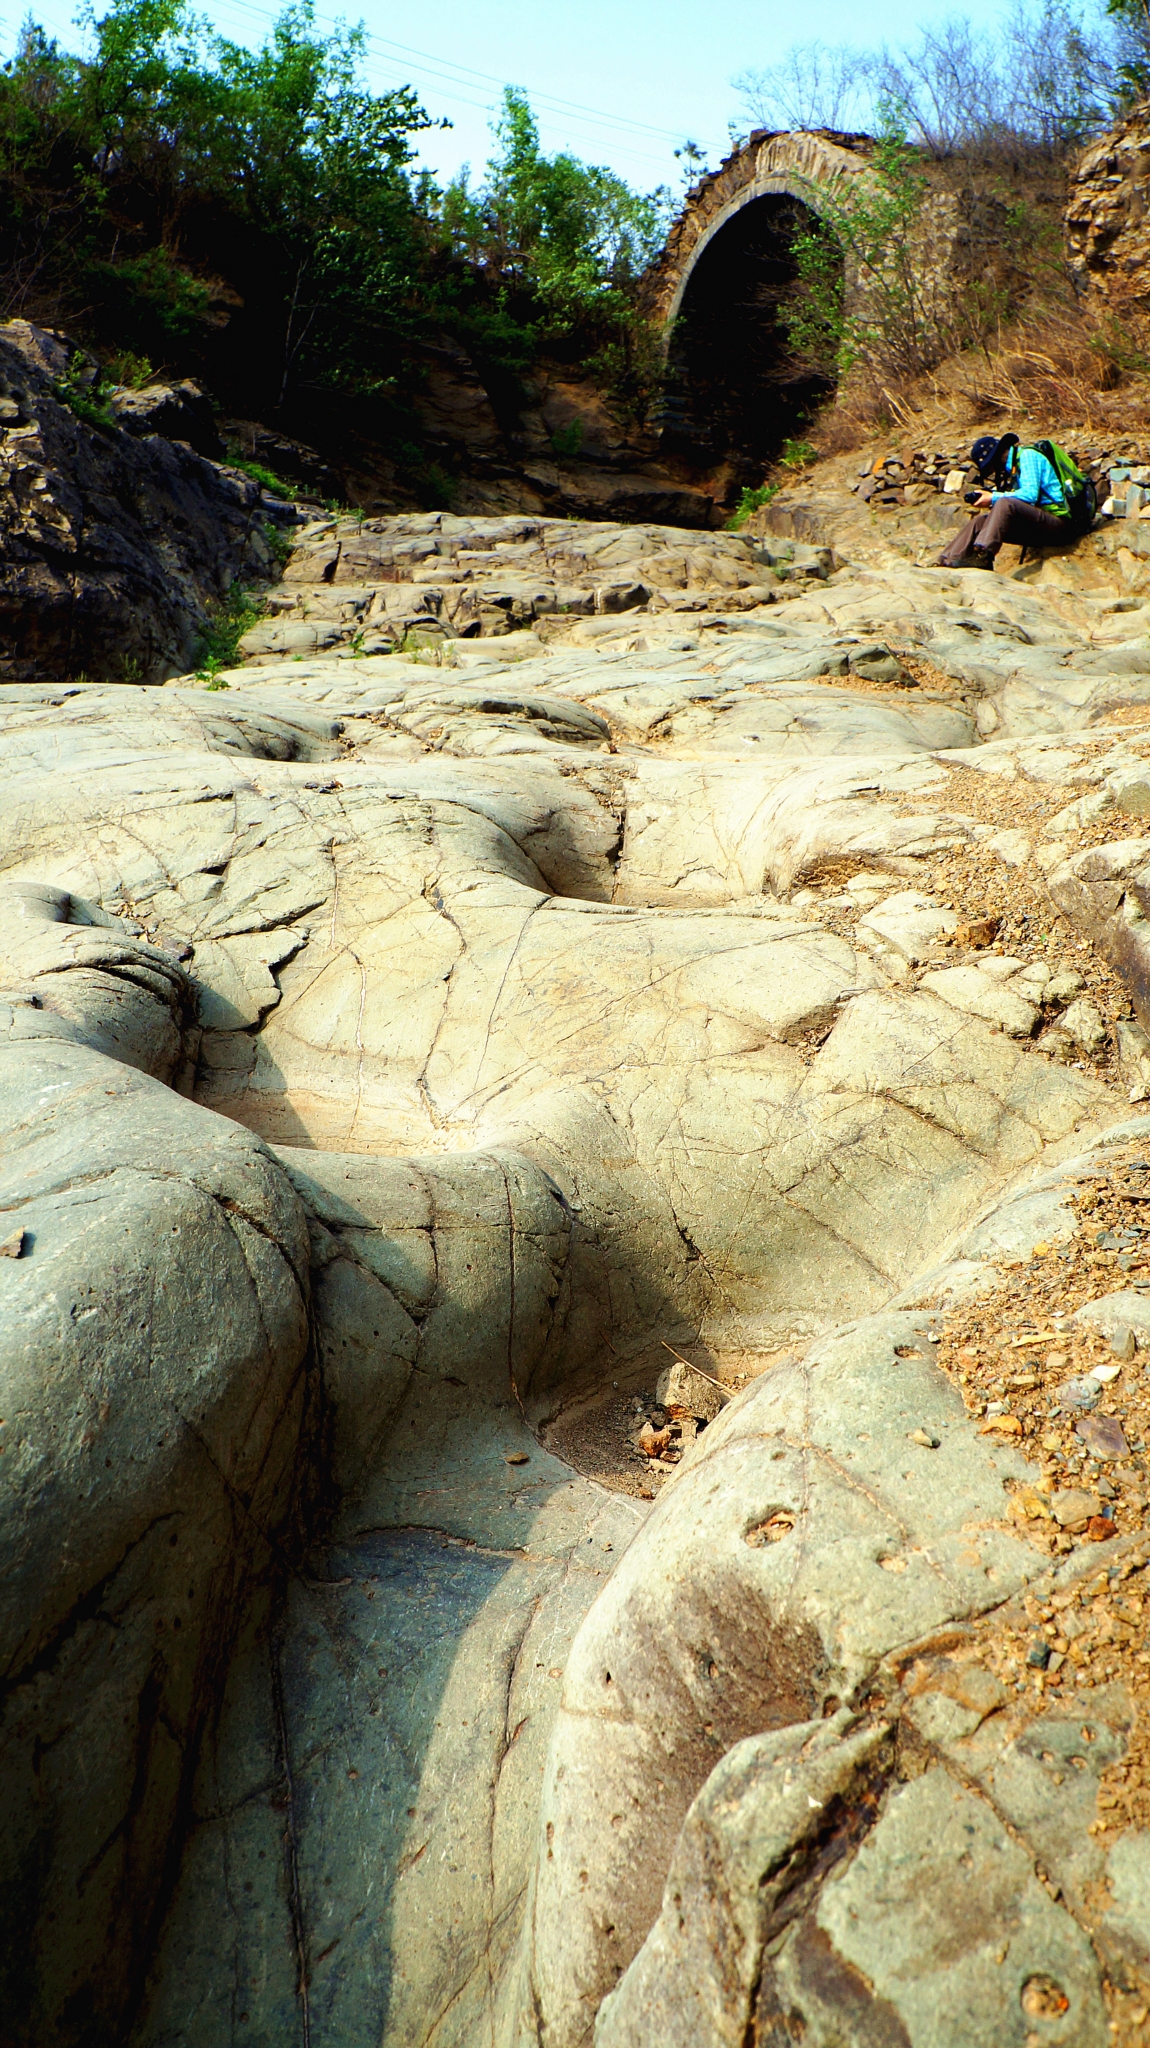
point(735, 392)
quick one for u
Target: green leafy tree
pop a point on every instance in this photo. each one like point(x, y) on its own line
point(863, 292)
point(255, 216)
point(293, 160)
point(570, 236)
point(318, 165)
point(1133, 21)
point(547, 252)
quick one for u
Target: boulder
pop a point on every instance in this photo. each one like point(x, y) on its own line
point(179, 412)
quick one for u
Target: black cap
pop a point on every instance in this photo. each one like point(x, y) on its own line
point(988, 454)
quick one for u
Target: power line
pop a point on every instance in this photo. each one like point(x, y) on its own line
point(549, 99)
point(448, 87)
point(440, 71)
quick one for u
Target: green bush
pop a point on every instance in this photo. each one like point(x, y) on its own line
point(752, 500)
point(129, 371)
point(265, 478)
point(568, 440)
point(227, 622)
point(86, 394)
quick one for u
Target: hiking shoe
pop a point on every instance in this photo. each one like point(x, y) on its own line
point(977, 558)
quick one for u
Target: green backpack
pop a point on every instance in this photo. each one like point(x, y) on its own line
point(1077, 489)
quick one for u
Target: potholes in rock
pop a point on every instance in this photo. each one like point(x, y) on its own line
point(633, 1441)
point(1043, 1999)
point(629, 1443)
point(774, 1526)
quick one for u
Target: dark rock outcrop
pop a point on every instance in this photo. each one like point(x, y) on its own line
point(180, 412)
point(112, 546)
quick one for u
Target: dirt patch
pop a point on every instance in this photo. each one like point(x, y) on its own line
point(596, 1441)
point(1012, 903)
point(629, 1442)
point(1020, 1360)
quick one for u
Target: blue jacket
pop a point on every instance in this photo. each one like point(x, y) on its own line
point(1036, 482)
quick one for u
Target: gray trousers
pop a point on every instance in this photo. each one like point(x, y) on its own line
point(1009, 519)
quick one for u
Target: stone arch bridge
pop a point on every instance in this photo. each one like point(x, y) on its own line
point(769, 167)
point(734, 392)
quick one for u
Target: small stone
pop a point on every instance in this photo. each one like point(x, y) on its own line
point(653, 1442)
point(1080, 1393)
point(1057, 1361)
point(1043, 1999)
point(981, 932)
point(1104, 1374)
point(1103, 1435)
point(1073, 1507)
point(1099, 1529)
point(1123, 1343)
point(1084, 1024)
point(1038, 1655)
point(516, 1458)
point(776, 1526)
point(1064, 986)
point(920, 1436)
point(13, 1246)
point(682, 1390)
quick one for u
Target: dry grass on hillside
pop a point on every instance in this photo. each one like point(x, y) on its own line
point(1059, 369)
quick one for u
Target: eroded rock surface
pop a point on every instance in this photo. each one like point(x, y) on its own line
point(406, 1055)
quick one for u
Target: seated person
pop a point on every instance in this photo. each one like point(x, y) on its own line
point(1031, 510)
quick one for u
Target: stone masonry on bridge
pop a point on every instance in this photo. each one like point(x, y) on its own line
point(793, 164)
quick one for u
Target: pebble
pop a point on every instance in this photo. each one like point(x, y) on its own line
point(653, 1442)
point(1082, 1394)
point(921, 1436)
point(1122, 1343)
point(1074, 1508)
point(516, 1458)
point(1103, 1435)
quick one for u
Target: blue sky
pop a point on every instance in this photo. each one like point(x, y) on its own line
point(619, 82)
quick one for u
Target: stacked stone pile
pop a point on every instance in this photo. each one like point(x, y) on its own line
point(911, 477)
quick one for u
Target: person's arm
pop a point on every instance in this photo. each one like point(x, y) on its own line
point(1029, 484)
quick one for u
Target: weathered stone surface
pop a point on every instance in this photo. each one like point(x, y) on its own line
point(406, 1058)
point(1106, 891)
point(1106, 212)
point(155, 1392)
